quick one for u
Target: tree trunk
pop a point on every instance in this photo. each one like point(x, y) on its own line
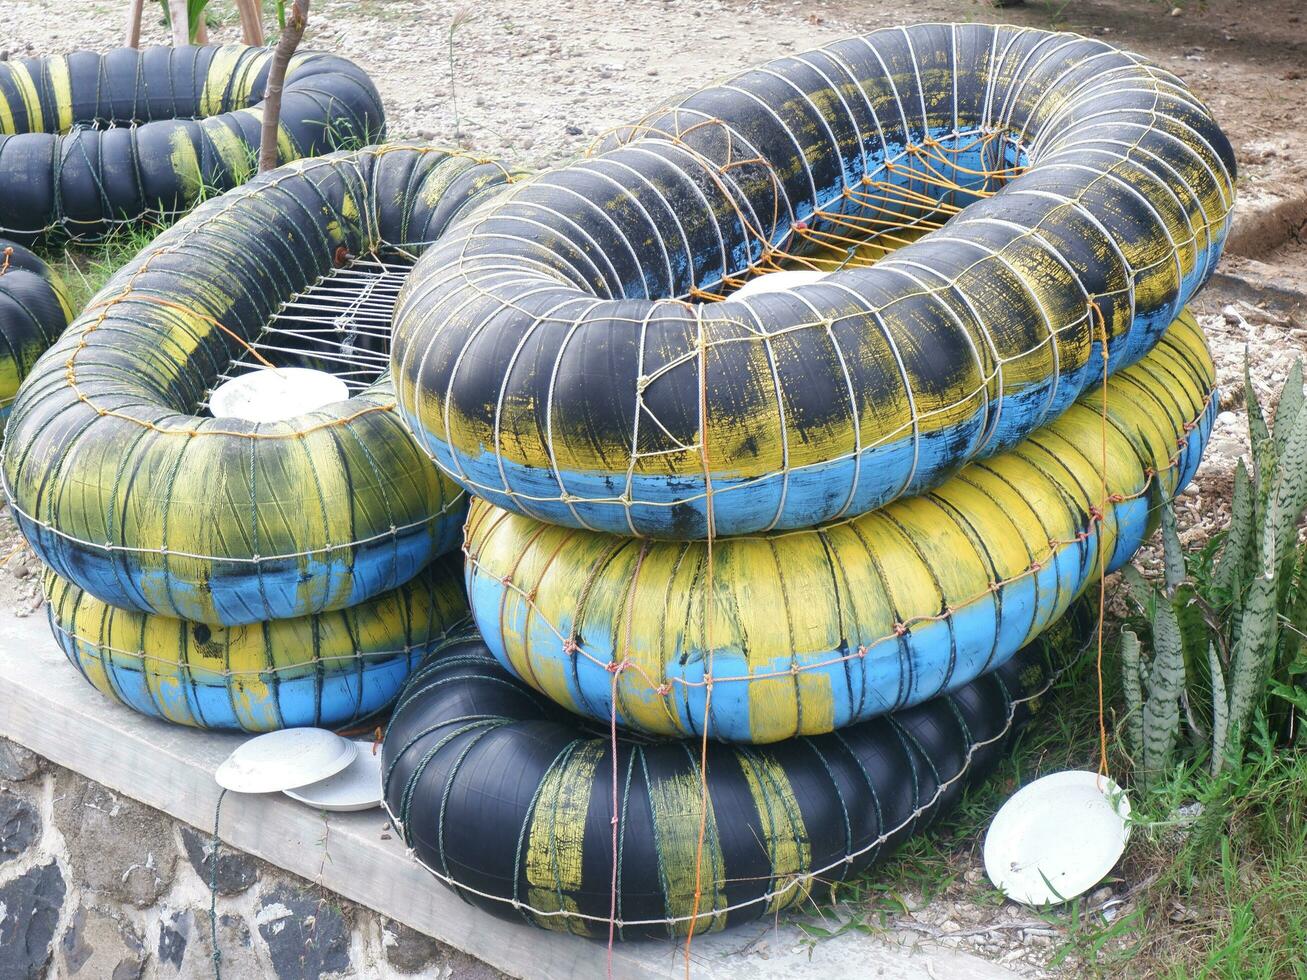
point(296, 21)
point(181, 23)
point(251, 21)
point(134, 23)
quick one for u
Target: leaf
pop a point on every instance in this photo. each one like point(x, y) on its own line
point(1258, 433)
point(1289, 497)
point(1220, 711)
point(1134, 696)
point(1165, 681)
point(1293, 611)
point(1137, 589)
point(1195, 638)
point(1251, 657)
point(1292, 400)
point(1172, 551)
point(1238, 539)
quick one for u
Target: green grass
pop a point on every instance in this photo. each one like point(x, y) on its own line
point(86, 267)
point(1223, 898)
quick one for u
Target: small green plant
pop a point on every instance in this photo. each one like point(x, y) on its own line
point(461, 17)
point(1227, 629)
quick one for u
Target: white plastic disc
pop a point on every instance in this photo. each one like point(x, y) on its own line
point(356, 787)
point(775, 282)
point(285, 760)
point(1057, 837)
point(275, 394)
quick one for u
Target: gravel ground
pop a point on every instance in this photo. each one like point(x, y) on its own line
point(537, 82)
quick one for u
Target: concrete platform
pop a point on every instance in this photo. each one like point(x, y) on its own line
point(46, 706)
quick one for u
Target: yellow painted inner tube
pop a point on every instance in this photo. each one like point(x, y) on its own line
point(325, 670)
point(808, 631)
point(123, 486)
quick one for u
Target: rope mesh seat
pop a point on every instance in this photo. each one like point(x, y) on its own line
point(34, 310)
point(573, 353)
point(91, 141)
point(124, 489)
point(531, 815)
point(327, 670)
point(758, 638)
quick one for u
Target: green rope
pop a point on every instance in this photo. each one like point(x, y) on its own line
point(213, 890)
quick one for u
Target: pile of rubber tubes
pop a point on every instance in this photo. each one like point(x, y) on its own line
point(787, 437)
point(796, 419)
point(219, 572)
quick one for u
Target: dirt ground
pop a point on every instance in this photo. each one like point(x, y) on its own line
point(536, 82)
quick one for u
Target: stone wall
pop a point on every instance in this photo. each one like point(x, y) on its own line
point(95, 886)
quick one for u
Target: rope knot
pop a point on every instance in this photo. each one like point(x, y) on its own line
point(663, 689)
point(900, 629)
point(570, 646)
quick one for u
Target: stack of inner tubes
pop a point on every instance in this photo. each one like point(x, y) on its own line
point(837, 523)
point(228, 573)
point(90, 142)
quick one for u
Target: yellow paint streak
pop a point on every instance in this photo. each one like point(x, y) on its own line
point(57, 68)
point(784, 838)
point(185, 162)
point(557, 837)
point(677, 803)
point(217, 82)
point(27, 91)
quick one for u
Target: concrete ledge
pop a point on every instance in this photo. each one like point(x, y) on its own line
point(47, 707)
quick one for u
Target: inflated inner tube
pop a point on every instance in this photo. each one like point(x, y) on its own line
point(326, 670)
point(34, 310)
point(90, 141)
point(122, 487)
point(813, 630)
point(511, 801)
point(556, 356)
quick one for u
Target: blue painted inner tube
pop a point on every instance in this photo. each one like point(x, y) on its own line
point(124, 488)
point(327, 670)
point(561, 353)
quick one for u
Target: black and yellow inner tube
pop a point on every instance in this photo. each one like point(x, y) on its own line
point(89, 141)
point(764, 637)
point(34, 310)
point(577, 354)
point(324, 670)
point(536, 817)
point(125, 489)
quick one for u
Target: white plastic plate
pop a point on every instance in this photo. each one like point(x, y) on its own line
point(775, 282)
point(1057, 837)
point(285, 760)
point(357, 787)
point(275, 394)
